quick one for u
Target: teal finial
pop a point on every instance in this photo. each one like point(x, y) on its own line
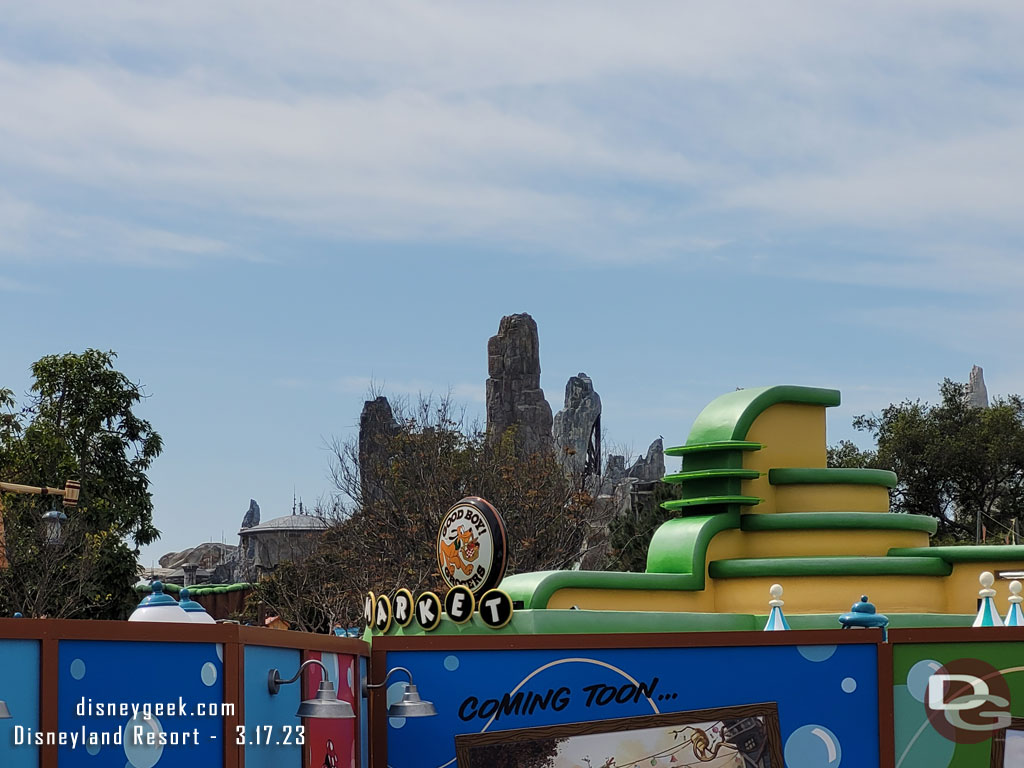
point(776, 619)
point(159, 606)
point(987, 616)
point(862, 615)
point(1014, 617)
point(196, 613)
point(17, 615)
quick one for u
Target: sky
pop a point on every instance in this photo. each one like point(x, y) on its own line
point(267, 208)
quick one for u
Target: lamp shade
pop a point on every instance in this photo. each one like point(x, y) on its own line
point(411, 705)
point(326, 704)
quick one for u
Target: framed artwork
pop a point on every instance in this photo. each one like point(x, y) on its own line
point(724, 737)
point(1008, 745)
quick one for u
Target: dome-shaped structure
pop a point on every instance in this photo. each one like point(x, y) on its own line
point(289, 537)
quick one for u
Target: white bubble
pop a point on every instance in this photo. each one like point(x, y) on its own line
point(220, 651)
point(209, 673)
point(816, 652)
point(350, 676)
point(813, 746)
point(142, 755)
point(917, 677)
point(849, 685)
point(395, 693)
point(92, 749)
point(78, 669)
point(451, 663)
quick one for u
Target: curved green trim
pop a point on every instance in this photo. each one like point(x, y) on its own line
point(832, 476)
point(681, 545)
point(828, 566)
point(729, 416)
point(825, 521)
point(965, 553)
point(676, 504)
point(711, 474)
point(677, 554)
point(536, 589)
point(719, 445)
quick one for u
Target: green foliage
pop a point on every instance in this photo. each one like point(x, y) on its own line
point(957, 463)
point(80, 424)
point(630, 534)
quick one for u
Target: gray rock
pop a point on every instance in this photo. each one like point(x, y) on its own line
point(252, 518)
point(377, 426)
point(206, 556)
point(514, 396)
point(977, 394)
point(650, 467)
point(577, 427)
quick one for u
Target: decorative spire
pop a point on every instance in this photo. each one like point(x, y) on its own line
point(987, 616)
point(1014, 617)
point(776, 619)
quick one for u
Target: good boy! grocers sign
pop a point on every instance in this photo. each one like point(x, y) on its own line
point(472, 545)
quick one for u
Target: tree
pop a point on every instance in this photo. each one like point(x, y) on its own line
point(961, 464)
point(79, 423)
point(631, 533)
point(388, 507)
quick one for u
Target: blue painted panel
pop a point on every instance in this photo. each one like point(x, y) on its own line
point(20, 689)
point(263, 711)
point(827, 696)
point(107, 687)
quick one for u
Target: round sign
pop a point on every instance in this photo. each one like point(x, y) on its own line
point(472, 547)
point(402, 607)
point(369, 603)
point(382, 620)
point(428, 611)
point(495, 608)
point(459, 604)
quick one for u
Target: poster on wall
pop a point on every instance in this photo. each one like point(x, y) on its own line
point(727, 737)
point(825, 697)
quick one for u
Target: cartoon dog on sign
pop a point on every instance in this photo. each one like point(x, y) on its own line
point(460, 552)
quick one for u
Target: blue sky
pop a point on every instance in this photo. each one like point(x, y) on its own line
point(262, 207)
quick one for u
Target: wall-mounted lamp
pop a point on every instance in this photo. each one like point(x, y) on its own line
point(325, 704)
point(5, 713)
point(411, 704)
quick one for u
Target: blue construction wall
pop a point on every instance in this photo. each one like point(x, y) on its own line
point(19, 660)
point(186, 676)
point(269, 715)
point(827, 696)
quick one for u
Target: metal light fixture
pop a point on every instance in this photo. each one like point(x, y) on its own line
point(54, 520)
point(411, 704)
point(324, 705)
point(5, 713)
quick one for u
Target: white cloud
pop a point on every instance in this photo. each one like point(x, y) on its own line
point(583, 129)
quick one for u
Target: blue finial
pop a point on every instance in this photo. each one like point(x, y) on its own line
point(17, 615)
point(776, 619)
point(1014, 617)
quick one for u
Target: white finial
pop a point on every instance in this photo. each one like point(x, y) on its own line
point(1015, 597)
point(986, 580)
point(776, 593)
